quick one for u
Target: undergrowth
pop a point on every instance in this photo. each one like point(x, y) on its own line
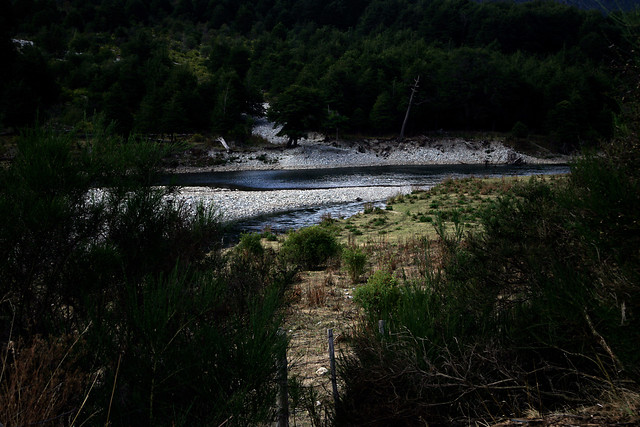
point(117, 304)
point(536, 310)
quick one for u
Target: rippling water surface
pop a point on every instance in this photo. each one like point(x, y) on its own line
point(401, 176)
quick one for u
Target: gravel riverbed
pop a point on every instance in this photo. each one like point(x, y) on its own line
point(236, 204)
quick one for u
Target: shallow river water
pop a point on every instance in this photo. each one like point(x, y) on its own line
point(419, 176)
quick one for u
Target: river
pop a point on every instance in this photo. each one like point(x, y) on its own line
point(422, 177)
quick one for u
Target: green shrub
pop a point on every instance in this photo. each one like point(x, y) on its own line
point(520, 130)
point(186, 357)
point(541, 299)
point(268, 234)
point(250, 244)
point(379, 296)
point(196, 137)
point(310, 247)
point(355, 261)
point(175, 331)
point(378, 222)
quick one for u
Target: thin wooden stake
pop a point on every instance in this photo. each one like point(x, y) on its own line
point(381, 326)
point(332, 362)
point(283, 392)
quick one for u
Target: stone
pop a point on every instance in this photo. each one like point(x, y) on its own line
point(321, 371)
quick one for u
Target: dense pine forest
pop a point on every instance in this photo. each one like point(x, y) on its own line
point(166, 66)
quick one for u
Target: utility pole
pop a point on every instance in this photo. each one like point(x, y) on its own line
point(414, 89)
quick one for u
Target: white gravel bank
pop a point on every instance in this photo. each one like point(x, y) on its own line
point(312, 154)
point(235, 204)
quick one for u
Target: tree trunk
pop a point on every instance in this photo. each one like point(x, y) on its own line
point(414, 89)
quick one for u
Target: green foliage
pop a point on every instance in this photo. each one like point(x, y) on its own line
point(186, 357)
point(192, 66)
point(310, 247)
point(520, 130)
point(298, 110)
point(28, 85)
point(355, 260)
point(379, 296)
point(543, 298)
point(560, 245)
point(383, 115)
point(177, 332)
point(250, 245)
point(334, 121)
point(249, 269)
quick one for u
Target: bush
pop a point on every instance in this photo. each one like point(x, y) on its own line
point(539, 304)
point(269, 235)
point(520, 130)
point(170, 326)
point(379, 296)
point(249, 269)
point(355, 261)
point(64, 242)
point(186, 356)
point(250, 244)
point(310, 247)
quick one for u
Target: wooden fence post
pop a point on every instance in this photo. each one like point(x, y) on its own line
point(283, 391)
point(332, 362)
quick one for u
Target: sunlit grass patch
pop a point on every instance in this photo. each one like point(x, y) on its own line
point(410, 215)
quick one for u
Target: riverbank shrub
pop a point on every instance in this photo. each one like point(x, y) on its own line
point(250, 245)
point(379, 296)
point(355, 261)
point(310, 247)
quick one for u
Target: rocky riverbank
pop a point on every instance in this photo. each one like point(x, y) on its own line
point(319, 154)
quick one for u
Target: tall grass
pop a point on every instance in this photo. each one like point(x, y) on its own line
point(39, 382)
point(187, 357)
point(173, 333)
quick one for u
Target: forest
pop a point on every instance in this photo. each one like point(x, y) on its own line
point(167, 67)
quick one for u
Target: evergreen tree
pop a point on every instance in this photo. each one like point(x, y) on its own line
point(298, 110)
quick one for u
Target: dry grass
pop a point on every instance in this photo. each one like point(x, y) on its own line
point(615, 410)
point(38, 383)
point(320, 301)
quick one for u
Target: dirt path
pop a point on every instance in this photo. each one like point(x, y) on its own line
point(320, 301)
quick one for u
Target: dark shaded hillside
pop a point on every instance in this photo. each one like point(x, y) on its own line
point(169, 67)
point(605, 6)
